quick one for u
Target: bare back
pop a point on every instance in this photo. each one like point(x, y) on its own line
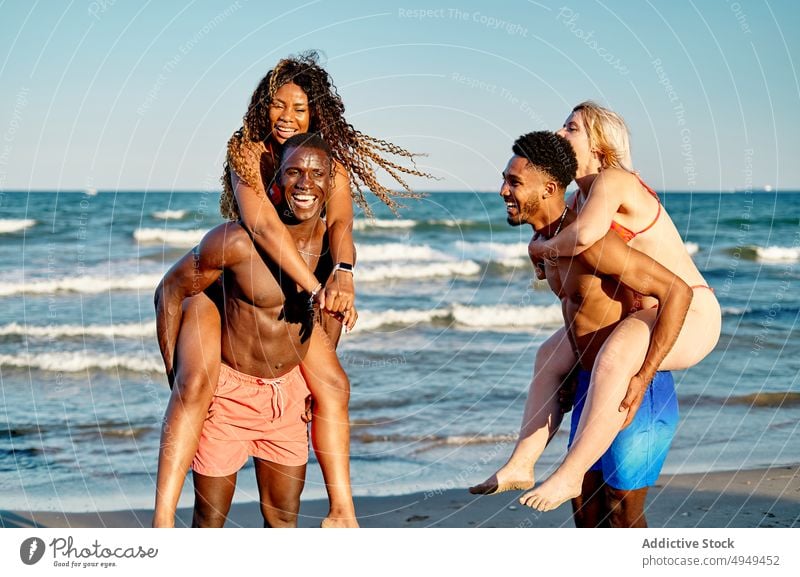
point(661, 241)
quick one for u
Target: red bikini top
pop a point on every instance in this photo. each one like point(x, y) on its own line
point(624, 232)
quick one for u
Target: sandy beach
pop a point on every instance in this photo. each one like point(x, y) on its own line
point(753, 498)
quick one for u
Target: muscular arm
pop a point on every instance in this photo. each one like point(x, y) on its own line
point(340, 290)
point(268, 232)
point(593, 221)
point(191, 275)
point(642, 274)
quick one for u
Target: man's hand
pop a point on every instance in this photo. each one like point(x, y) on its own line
point(308, 413)
point(539, 251)
point(633, 398)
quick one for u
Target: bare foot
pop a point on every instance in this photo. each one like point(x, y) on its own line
point(506, 479)
point(331, 522)
point(555, 491)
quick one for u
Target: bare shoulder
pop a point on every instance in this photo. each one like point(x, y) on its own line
point(340, 175)
point(614, 179)
point(226, 243)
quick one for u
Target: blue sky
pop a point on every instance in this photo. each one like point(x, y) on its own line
point(131, 95)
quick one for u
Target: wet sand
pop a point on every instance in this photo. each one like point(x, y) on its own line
point(753, 498)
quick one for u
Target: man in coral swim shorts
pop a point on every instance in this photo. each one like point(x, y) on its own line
point(259, 403)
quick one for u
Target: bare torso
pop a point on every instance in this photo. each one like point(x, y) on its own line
point(264, 323)
point(592, 305)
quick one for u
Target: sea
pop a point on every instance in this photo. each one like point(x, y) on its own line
point(439, 363)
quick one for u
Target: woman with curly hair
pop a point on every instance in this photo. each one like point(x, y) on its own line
point(297, 96)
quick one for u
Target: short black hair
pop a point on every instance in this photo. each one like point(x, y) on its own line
point(550, 153)
point(307, 140)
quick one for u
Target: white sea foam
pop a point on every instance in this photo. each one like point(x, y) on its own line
point(15, 225)
point(83, 284)
point(692, 247)
point(369, 320)
point(170, 214)
point(735, 311)
point(418, 271)
point(507, 316)
point(129, 330)
point(389, 252)
point(778, 254)
point(522, 262)
point(172, 237)
point(453, 222)
point(497, 316)
point(493, 251)
point(365, 223)
point(80, 361)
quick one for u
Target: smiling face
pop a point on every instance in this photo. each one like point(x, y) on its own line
point(522, 188)
point(289, 112)
point(306, 179)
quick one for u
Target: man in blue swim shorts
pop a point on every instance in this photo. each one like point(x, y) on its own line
point(607, 471)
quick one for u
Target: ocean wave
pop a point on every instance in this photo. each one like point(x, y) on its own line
point(182, 238)
point(432, 441)
point(454, 222)
point(15, 225)
point(83, 431)
point(775, 400)
point(418, 271)
point(735, 311)
point(366, 224)
point(397, 251)
point(169, 214)
point(85, 284)
point(507, 316)
point(777, 253)
point(80, 361)
point(493, 251)
point(498, 316)
point(692, 248)
point(130, 330)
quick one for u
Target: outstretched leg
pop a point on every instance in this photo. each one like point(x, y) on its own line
point(330, 426)
point(279, 487)
point(555, 360)
point(197, 362)
point(618, 361)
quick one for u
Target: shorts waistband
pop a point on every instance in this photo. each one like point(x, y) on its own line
point(229, 373)
point(245, 379)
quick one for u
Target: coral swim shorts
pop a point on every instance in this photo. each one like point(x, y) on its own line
point(637, 454)
point(253, 416)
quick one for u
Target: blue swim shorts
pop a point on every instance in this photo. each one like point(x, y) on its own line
point(635, 458)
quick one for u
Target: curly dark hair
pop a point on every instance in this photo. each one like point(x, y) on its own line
point(358, 153)
point(550, 153)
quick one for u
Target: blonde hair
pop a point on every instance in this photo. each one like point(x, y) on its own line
point(608, 135)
